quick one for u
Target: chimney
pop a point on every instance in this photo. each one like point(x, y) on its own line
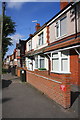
point(30, 35)
point(63, 4)
point(37, 26)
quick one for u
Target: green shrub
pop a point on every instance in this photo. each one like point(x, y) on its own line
point(42, 69)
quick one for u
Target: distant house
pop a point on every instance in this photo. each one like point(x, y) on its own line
point(17, 56)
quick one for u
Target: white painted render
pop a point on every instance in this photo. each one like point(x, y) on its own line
point(78, 17)
point(35, 40)
point(70, 25)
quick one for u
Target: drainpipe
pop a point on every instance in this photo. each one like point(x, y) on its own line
point(75, 22)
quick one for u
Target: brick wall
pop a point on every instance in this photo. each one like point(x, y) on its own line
point(18, 72)
point(74, 67)
point(51, 88)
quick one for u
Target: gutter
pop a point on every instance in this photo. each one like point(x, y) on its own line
point(76, 46)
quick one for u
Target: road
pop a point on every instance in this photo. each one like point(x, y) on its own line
point(21, 100)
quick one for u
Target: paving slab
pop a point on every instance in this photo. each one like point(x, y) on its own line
point(21, 100)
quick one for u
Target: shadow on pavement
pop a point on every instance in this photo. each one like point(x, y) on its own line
point(74, 96)
point(6, 83)
point(6, 99)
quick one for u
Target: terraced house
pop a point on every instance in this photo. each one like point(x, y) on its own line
point(52, 55)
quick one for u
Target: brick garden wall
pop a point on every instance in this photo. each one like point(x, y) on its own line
point(18, 72)
point(50, 88)
point(74, 68)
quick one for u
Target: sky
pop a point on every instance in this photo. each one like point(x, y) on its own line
point(23, 13)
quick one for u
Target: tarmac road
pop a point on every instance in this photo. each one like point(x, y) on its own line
point(21, 100)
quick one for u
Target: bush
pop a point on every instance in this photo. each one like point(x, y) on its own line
point(42, 69)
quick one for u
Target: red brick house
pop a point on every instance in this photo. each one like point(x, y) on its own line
point(52, 55)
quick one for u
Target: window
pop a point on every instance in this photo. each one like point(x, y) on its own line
point(39, 62)
point(41, 40)
point(61, 27)
point(29, 64)
point(30, 45)
point(36, 62)
point(55, 62)
point(57, 29)
point(18, 63)
point(60, 61)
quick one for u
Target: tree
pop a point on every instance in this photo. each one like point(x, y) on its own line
point(8, 29)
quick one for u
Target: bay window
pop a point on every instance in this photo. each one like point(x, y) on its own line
point(39, 62)
point(60, 61)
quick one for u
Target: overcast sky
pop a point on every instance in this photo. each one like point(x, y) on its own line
point(23, 13)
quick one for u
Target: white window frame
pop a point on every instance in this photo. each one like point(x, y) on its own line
point(39, 58)
point(29, 44)
point(41, 37)
point(60, 58)
point(29, 67)
point(59, 25)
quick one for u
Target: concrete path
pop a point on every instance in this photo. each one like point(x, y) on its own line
point(21, 100)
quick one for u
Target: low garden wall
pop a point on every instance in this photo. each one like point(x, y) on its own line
point(56, 89)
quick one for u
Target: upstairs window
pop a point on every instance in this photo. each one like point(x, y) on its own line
point(30, 44)
point(61, 27)
point(41, 39)
point(57, 29)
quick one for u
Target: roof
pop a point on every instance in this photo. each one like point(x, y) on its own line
point(48, 22)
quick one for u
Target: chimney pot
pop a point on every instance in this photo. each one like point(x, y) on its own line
point(37, 26)
point(30, 35)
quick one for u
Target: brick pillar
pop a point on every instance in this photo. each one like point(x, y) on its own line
point(67, 92)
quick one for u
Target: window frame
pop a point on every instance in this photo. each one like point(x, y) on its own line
point(41, 37)
point(39, 58)
point(30, 45)
point(59, 25)
point(60, 59)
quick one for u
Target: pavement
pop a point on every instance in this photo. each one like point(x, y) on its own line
point(21, 100)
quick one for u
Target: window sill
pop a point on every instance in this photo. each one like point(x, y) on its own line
point(60, 37)
point(60, 72)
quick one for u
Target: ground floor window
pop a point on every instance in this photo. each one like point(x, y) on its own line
point(29, 64)
point(18, 63)
point(39, 61)
point(60, 61)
